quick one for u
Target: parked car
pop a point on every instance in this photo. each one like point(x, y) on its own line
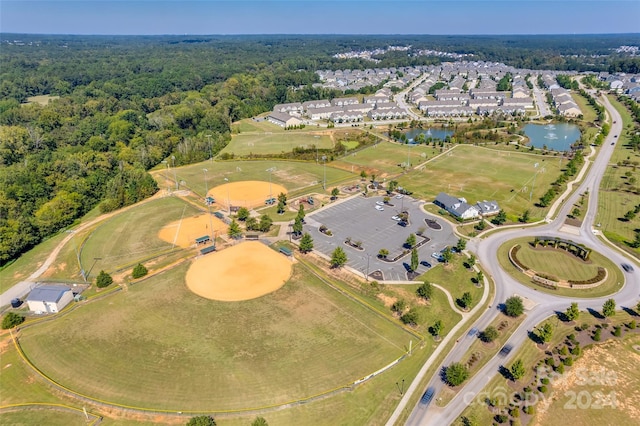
point(402, 223)
point(436, 256)
point(396, 218)
point(380, 208)
point(380, 203)
point(399, 196)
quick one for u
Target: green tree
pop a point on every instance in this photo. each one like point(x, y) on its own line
point(103, 280)
point(455, 374)
point(11, 319)
point(573, 312)
point(301, 213)
point(383, 253)
point(393, 184)
point(243, 214)
point(517, 370)
point(545, 333)
point(513, 306)
point(411, 317)
point(280, 207)
point(139, 271)
point(338, 258)
point(234, 230)
point(461, 245)
point(201, 421)
point(500, 218)
point(259, 421)
point(480, 226)
point(363, 175)
point(282, 198)
point(489, 334)
point(399, 306)
point(265, 223)
point(525, 216)
point(334, 193)
point(306, 243)
point(425, 291)
point(609, 308)
point(436, 328)
point(447, 255)
point(479, 277)
point(297, 226)
point(252, 224)
point(415, 261)
point(411, 241)
point(466, 300)
point(471, 261)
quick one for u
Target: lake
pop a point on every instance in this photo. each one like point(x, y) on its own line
point(558, 136)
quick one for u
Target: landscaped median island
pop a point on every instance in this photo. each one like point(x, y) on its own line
point(559, 267)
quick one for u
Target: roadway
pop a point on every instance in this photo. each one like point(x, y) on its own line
point(545, 304)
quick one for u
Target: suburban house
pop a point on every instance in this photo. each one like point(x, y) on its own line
point(316, 104)
point(488, 208)
point(294, 108)
point(49, 298)
point(457, 207)
point(344, 101)
point(283, 119)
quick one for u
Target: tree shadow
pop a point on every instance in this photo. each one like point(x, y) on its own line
point(534, 337)
point(595, 313)
point(504, 371)
point(631, 312)
point(562, 316)
point(443, 375)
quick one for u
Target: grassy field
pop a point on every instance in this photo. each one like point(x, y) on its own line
point(613, 283)
point(44, 415)
point(384, 158)
point(214, 355)
point(293, 175)
point(40, 99)
point(455, 278)
point(616, 198)
point(530, 354)
point(556, 262)
point(261, 143)
point(478, 174)
point(132, 236)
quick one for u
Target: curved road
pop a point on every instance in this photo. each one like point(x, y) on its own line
point(545, 304)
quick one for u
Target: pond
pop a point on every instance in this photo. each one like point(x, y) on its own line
point(558, 136)
point(429, 134)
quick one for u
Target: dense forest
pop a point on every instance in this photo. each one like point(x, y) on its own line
point(127, 103)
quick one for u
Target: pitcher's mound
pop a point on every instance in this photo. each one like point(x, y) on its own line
point(241, 272)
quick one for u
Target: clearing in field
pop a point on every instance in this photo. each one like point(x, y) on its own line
point(249, 194)
point(159, 345)
point(259, 143)
point(478, 173)
point(242, 272)
point(183, 232)
point(40, 99)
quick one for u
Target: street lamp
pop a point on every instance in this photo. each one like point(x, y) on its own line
point(173, 163)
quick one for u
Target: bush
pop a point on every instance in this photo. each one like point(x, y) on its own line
point(489, 334)
point(632, 325)
point(584, 326)
point(530, 410)
point(514, 412)
point(103, 280)
point(576, 351)
point(410, 317)
point(560, 368)
point(201, 421)
point(399, 306)
point(617, 331)
point(11, 320)
point(568, 361)
point(596, 335)
point(501, 418)
point(456, 374)
point(543, 389)
point(139, 271)
point(513, 306)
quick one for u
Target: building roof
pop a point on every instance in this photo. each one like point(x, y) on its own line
point(47, 293)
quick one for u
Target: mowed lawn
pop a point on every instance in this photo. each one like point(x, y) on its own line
point(293, 175)
point(455, 278)
point(556, 262)
point(616, 198)
point(275, 143)
point(385, 158)
point(132, 236)
point(160, 346)
point(478, 174)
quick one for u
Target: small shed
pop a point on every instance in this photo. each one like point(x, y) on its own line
point(49, 298)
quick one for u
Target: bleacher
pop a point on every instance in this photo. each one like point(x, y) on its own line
point(208, 249)
point(285, 251)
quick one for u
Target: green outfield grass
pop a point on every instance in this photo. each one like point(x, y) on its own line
point(384, 158)
point(616, 197)
point(214, 355)
point(478, 174)
point(558, 263)
point(41, 416)
point(293, 175)
point(250, 125)
point(132, 236)
point(260, 143)
point(454, 277)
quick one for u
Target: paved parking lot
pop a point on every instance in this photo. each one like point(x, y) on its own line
point(358, 219)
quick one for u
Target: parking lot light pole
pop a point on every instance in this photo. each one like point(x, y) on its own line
point(367, 275)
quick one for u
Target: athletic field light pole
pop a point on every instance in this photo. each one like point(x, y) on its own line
point(175, 177)
point(206, 186)
point(95, 259)
point(228, 198)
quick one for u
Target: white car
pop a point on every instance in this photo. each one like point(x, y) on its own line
point(399, 196)
point(396, 218)
point(380, 208)
point(380, 203)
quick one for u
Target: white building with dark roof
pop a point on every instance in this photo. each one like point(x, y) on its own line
point(49, 298)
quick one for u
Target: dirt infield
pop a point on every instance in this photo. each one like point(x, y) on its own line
point(249, 193)
point(242, 272)
point(184, 232)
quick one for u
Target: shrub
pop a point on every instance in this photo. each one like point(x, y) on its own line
point(560, 368)
point(617, 331)
point(584, 326)
point(632, 325)
point(596, 335)
point(139, 271)
point(456, 373)
point(410, 317)
point(11, 320)
point(201, 421)
point(501, 418)
point(514, 412)
point(399, 306)
point(544, 380)
point(514, 306)
point(489, 334)
point(543, 389)
point(568, 361)
point(576, 351)
point(530, 410)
